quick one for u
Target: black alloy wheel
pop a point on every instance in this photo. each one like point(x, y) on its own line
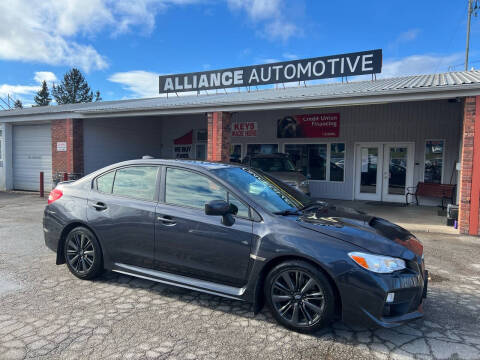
point(300, 296)
point(83, 254)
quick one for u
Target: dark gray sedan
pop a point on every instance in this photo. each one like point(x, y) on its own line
point(236, 232)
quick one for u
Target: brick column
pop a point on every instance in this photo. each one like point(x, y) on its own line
point(470, 174)
point(69, 131)
point(219, 132)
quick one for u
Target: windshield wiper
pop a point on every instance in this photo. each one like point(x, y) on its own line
point(313, 205)
point(287, 212)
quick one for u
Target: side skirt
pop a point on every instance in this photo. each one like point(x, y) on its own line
point(180, 281)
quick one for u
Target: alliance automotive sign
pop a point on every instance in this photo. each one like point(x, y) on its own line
point(359, 63)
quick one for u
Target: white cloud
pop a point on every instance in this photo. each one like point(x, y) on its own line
point(49, 31)
point(141, 84)
point(270, 11)
point(408, 35)
point(25, 93)
point(419, 64)
point(280, 29)
point(258, 9)
point(47, 76)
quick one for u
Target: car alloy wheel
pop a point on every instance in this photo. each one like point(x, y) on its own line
point(300, 296)
point(82, 253)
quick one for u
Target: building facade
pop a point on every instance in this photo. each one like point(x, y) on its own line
point(367, 140)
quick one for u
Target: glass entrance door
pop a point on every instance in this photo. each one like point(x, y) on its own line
point(383, 171)
point(397, 171)
point(369, 172)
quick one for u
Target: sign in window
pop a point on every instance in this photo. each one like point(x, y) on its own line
point(434, 150)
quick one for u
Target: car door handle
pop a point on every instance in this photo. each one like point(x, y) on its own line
point(166, 220)
point(100, 206)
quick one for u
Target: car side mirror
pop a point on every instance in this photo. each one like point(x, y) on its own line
point(217, 207)
point(223, 209)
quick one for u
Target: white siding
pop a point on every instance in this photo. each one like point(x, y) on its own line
point(396, 122)
point(32, 153)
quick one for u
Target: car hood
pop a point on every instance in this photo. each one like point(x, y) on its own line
point(288, 176)
point(374, 234)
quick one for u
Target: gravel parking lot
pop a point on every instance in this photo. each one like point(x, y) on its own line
point(47, 313)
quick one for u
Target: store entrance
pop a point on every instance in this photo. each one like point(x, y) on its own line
point(383, 171)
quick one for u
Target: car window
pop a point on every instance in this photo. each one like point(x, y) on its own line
point(242, 208)
point(187, 188)
point(105, 182)
point(266, 191)
point(138, 182)
point(272, 164)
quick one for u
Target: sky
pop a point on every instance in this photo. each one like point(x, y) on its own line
point(122, 46)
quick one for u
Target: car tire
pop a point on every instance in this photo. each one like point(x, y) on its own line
point(83, 254)
point(300, 296)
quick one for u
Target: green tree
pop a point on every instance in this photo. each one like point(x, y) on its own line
point(97, 96)
point(73, 89)
point(18, 104)
point(43, 96)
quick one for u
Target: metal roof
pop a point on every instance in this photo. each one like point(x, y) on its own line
point(407, 88)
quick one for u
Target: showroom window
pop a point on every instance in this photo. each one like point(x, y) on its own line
point(434, 150)
point(253, 149)
point(137, 182)
point(236, 153)
point(324, 162)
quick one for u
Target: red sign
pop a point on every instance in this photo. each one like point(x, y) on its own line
point(185, 139)
point(244, 128)
point(309, 126)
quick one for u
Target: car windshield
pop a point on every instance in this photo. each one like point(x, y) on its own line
point(272, 164)
point(267, 191)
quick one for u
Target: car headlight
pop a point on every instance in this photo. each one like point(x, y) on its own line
point(377, 263)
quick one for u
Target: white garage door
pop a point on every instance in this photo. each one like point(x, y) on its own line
point(32, 153)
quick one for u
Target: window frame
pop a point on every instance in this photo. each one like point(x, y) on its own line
point(425, 158)
point(157, 182)
point(162, 197)
point(2, 131)
point(241, 149)
point(329, 151)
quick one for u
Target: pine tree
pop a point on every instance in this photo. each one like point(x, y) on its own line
point(43, 96)
point(18, 104)
point(73, 89)
point(97, 96)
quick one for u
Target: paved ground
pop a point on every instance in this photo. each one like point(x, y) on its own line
point(47, 313)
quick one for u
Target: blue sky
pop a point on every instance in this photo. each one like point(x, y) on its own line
point(122, 45)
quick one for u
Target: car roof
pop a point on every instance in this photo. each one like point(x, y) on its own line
point(193, 164)
point(276, 155)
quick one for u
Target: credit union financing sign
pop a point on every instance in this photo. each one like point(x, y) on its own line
point(359, 63)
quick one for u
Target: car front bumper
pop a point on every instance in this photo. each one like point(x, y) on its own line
point(365, 301)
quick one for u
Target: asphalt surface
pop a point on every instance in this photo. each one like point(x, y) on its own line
point(47, 313)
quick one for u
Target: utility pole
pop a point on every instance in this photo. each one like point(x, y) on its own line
point(469, 17)
point(472, 9)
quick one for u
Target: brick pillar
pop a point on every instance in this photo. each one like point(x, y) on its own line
point(219, 132)
point(69, 131)
point(470, 174)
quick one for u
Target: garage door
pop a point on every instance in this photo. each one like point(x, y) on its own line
point(32, 153)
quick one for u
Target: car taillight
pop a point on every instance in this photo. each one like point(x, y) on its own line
point(55, 194)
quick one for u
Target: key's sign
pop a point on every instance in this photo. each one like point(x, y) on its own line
point(244, 128)
point(359, 63)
